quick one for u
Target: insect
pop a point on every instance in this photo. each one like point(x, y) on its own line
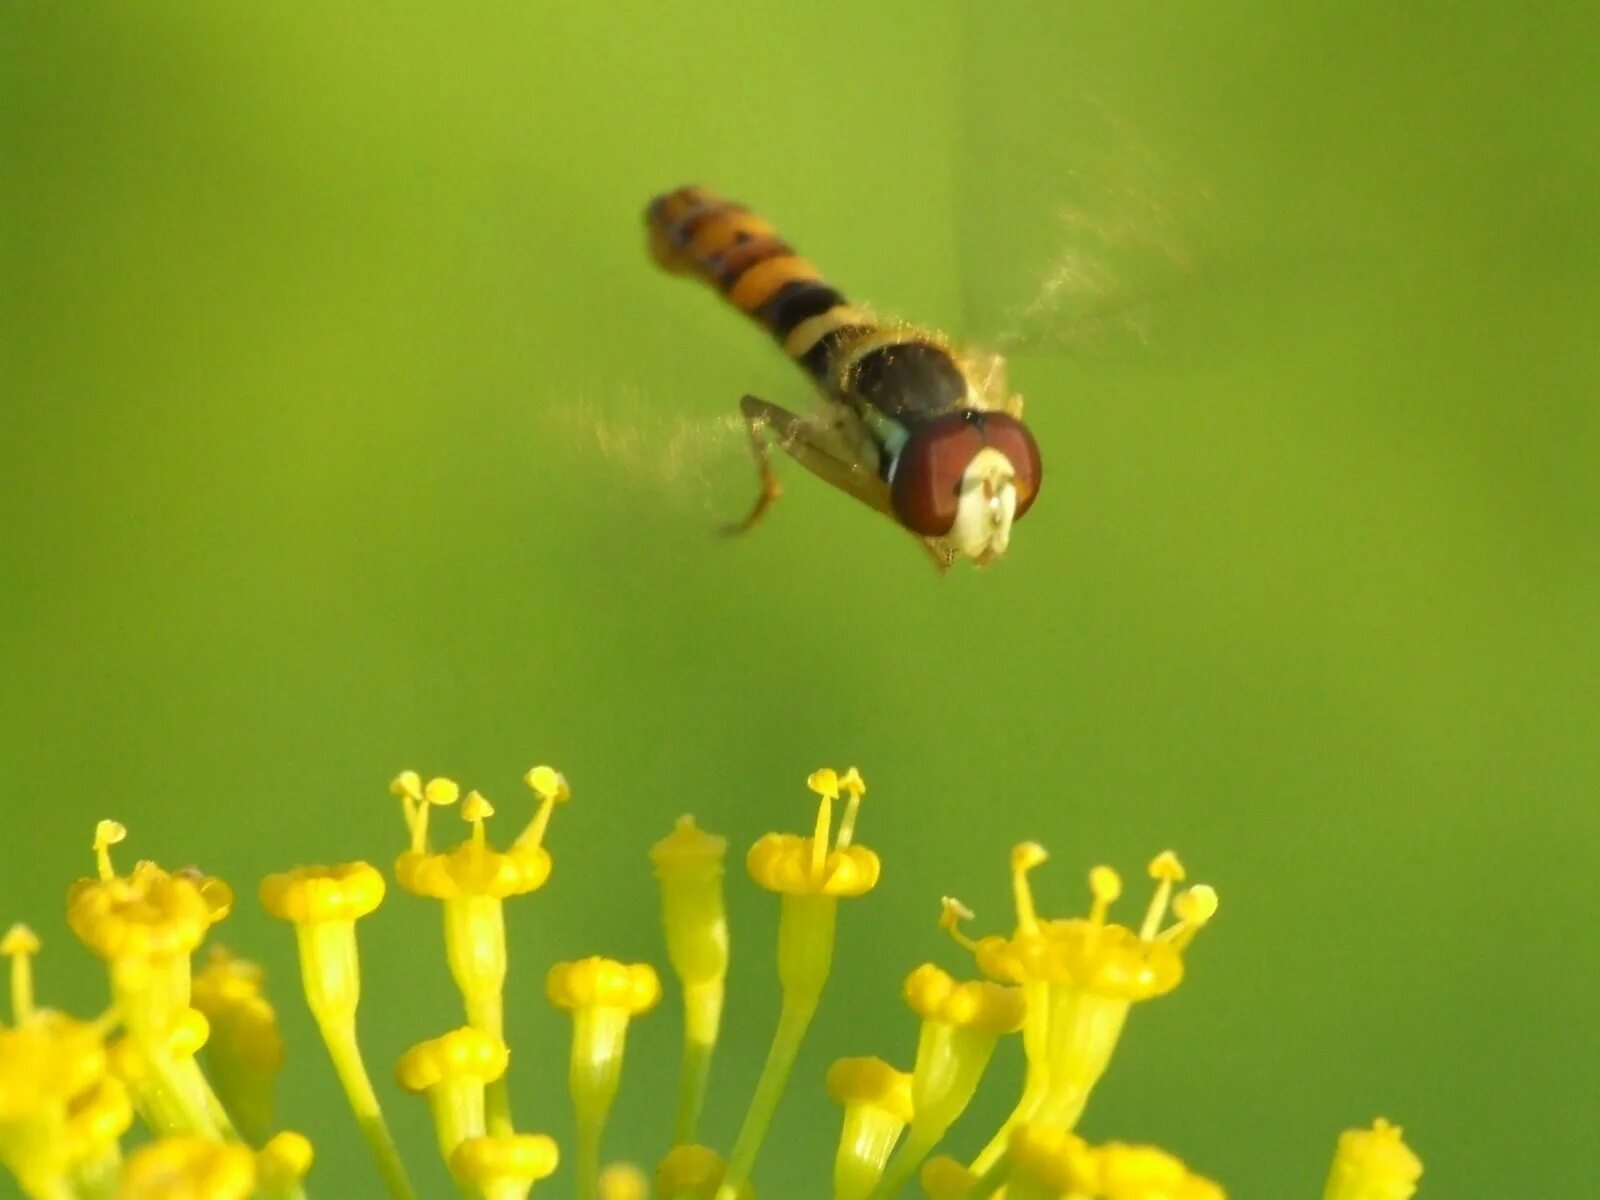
point(909, 425)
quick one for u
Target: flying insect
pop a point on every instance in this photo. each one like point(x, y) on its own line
point(910, 425)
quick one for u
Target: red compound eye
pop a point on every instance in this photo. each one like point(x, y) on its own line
point(927, 476)
point(926, 491)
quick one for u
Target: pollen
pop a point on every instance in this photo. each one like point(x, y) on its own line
point(690, 1172)
point(228, 991)
point(623, 1181)
point(1054, 1161)
point(310, 895)
point(603, 983)
point(189, 1168)
point(511, 1158)
point(872, 1083)
point(284, 1161)
point(47, 1060)
point(979, 1004)
point(1128, 1172)
point(462, 1055)
point(944, 1178)
point(1374, 1164)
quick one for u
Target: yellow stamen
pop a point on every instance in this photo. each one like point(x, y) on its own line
point(551, 788)
point(476, 810)
point(107, 834)
point(20, 944)
point(407, 786)
point(1193, 908)
point(825, 783)
point(1024, 858)
point(851, 782)
point(951, 913)
point(1166, 870)
point(1106, 886)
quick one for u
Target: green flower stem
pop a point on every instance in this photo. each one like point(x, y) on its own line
point(598, 1042)
point(908, 1157)
point(347, 1064)
point(692, 1087)
point(793, 1021)
point(806, 927)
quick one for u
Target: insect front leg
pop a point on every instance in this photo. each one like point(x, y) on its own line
point(759, 416)
point(815, 447)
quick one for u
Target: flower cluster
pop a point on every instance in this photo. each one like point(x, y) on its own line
point(193, 1055)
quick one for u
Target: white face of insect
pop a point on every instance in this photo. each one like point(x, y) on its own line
point(982, 528)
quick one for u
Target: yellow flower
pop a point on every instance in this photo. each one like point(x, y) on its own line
point(473, 868)
point(793, 865)
point(944, 1178)
point(877, 1108)
point(505, 1167)
point(324, 903)
point(144, 925)
point(282, 1164)
point(1373, 1164)
point(691, 1172)
point(688, 863)
point(810, 874)
point(145, 1065)
point(623, 1181)
point(187, 1167)
point(451, 1072)
point(961, 1022)
point(52, 1068)
point(602, 995)
point(1080, 977)
point(473, 880)
point(1046, 1162)
point(1147, 1173)
point(245, 1051)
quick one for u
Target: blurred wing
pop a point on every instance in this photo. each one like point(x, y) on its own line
point(1075, 231)
point(647, 443)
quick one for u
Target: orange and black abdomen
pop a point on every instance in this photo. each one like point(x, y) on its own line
point(698, 232)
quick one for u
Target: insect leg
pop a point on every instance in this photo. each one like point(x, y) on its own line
point(758, 416)
point(809, 444)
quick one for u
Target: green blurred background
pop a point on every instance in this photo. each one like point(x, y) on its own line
point(347, 428)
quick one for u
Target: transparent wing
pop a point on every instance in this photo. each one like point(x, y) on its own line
point(649, 442)
point(1075, 231)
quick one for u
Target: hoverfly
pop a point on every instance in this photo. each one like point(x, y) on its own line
point(911, 426)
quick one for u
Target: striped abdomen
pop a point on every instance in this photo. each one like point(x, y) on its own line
point(698, 232)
